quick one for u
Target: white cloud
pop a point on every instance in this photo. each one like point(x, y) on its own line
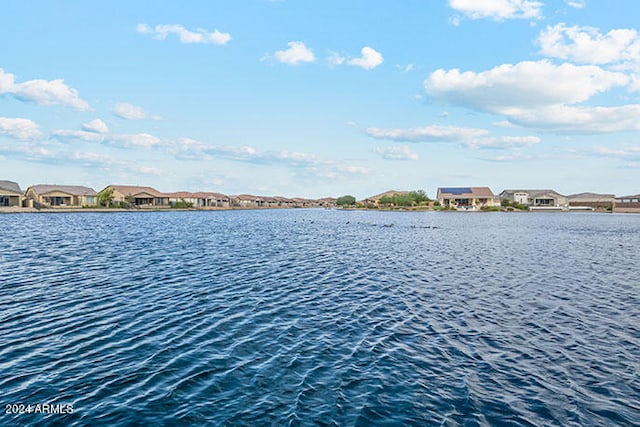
point(97, 126)
point(401, 152)
point(405, 68)
point(297, 53)
point(580, 120)
point(498, 10)
point(82, 135)
point(132, 112)
point(149, 170)
point(369, 59)
point(631, 152)
point(523, 85)
point(433, 133)
point(161, 32)
point(469, 137)
point(137, 140)
point(588, 45)
point(42, 92)
point(335, 58)
point(503, 142)
point(24, 129)
point(576, 4)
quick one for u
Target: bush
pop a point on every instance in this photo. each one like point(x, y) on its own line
point(181, 204)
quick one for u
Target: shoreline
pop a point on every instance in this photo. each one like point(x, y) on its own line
point(21, 210)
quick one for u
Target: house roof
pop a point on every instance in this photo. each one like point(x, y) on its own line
point(389, 193)
point(10, 186)
point(481, 192)
point(533, 193)
point(591, 197)
point(74, 190)
point(133, 190)
point(636, 196)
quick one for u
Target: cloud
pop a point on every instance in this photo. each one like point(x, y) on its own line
point(132, 112)
point(433, 133)
point(469, 137)
point(42, 92)
point(136, 140)
point(369, 59)
point(97, 126)
point(23, 129)
point(580, 120)
point(576, 4)
point(628, 153)
point(530, 84)
point(396, 153)
point(297, 53)
point(539, 94)
point(79, 135)
point(161, 32)
point(587, 45)
point(498, 10)
point(503, 142)
point(191, 149)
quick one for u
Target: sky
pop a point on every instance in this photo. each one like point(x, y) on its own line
point(315, 98)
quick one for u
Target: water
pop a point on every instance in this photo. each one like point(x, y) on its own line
point(303, 317)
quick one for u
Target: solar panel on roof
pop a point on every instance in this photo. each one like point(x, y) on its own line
point(456, 191)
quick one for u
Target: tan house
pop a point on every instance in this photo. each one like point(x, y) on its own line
point(629, 204)
point(10, 194)
point(374, 201)
point(60, 196)
point(200, 199)
point(591, 201)
point(139, 196)
point(246, 201)
point(467, 198)
point(537, 199)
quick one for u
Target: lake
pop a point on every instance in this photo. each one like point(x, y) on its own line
point(320, 317)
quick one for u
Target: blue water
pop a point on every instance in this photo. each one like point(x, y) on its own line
point(316, 317)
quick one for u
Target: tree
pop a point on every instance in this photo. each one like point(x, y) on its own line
point(105, 197)
point(419, 196)
point(346, 201)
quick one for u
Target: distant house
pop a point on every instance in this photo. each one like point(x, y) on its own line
point(627, 204)
point(217, 200)
point(375, 200)
point(467, 198)
point(139, 196)
point(591, 201)
point(536, 199)
point(246, 201)
point(327, 202)
point(10, 194)
point(60, 196)
point(200, 199)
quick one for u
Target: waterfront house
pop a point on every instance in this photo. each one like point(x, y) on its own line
point(591, 201)
point(627, 204)
point(246, 201)
point(536, 199)
point(218, 200)
point(327, 202)
point(374, 201)
point(467, 198)
point(10, 194)
point(46, 196)
point(139, 196)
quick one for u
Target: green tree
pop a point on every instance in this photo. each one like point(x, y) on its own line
point(105, 197)
point(346, 201)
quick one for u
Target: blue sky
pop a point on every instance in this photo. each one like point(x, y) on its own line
point(313, 99)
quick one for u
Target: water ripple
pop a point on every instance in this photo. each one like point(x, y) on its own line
point(300, 317)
